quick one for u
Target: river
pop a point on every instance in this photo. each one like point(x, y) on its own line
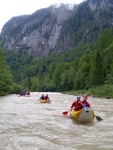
point(27, 124)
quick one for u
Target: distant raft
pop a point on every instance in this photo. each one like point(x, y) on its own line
point(23, 95)
point(86, 114)
point(45, 101)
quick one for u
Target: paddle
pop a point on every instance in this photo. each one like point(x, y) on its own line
point(38, 100)
point(97, 117)
point(66, 112)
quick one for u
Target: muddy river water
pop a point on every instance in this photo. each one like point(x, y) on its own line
point(27, 124)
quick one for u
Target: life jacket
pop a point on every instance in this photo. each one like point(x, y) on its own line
point(85, 104)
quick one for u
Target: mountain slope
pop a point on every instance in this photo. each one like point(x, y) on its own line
point(57, 29)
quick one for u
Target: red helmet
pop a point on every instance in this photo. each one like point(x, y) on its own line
point(85, 97)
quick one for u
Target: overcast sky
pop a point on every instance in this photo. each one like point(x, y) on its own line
point(11, 8)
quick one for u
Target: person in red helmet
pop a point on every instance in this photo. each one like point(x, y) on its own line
point(46, 97)
point(84, 102)
point(76, 105)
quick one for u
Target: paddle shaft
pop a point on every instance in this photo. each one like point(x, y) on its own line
point(66, 112)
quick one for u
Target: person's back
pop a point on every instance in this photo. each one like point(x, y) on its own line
point(42, 97)
point(84, 102)
point(46, 97)
point(76, 105)
point(28, 93)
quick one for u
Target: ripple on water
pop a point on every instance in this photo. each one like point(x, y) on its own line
point(29, 125)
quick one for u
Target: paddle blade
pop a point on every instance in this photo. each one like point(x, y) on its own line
point(99, 118)
point(65, 113)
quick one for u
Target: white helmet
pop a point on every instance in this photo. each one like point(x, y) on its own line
point(78, 97)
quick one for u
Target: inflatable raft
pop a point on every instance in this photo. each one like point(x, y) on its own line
point(86, 114)
point(23, 95)
point(45, 101)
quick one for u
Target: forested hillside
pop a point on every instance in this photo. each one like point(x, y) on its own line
point(61, 49)
point(88, 66)
point(6, 81)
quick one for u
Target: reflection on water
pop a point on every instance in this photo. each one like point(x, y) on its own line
point(27, 124)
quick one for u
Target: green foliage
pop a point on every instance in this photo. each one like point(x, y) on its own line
point(89, 65)
point(83, 78)
point(16, 88)
point(102, 91)
point(5, 75)
point(86, 66)
point(105, 39)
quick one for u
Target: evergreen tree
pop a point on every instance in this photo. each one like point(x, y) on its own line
point(96, 70)
point(5, 75)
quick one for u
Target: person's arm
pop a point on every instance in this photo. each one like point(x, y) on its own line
point(40, 98)
point(88, 105)
point(80, 105)
point(72, 104)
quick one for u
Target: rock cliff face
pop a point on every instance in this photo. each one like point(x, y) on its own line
point(100, 4)
point(37, 33)
point(57, 29)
